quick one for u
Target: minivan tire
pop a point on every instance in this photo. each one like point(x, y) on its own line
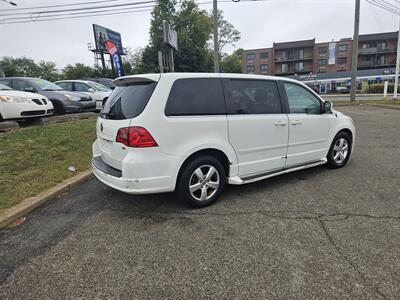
point(340, 151)
point(206, 190)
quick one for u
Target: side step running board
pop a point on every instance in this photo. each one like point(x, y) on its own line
point(236, 180)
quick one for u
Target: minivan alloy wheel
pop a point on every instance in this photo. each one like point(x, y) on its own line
point(340, 150)
point(204, 182)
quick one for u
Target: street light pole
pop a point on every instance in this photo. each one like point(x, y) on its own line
point(216, 46)
point(354, 59)
point(396, 78)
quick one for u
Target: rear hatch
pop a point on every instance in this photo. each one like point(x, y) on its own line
point(127, 101)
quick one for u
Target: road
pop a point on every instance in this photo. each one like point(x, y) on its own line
point(316, 233)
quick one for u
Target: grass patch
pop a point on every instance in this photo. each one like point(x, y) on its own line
point(35, 159)
point(370, 102)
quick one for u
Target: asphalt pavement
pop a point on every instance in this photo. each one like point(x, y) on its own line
point(316, 233)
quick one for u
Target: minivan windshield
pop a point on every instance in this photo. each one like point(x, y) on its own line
point(129, 101)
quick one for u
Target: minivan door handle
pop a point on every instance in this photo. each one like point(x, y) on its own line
point(296, 122)
point(280, 123)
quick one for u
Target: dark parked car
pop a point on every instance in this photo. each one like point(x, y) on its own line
point(342, 90)
point(104, 81)
point(63, 101)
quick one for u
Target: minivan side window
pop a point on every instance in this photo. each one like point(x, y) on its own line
point(244, 96)
point(301, 101)
point(196, 96)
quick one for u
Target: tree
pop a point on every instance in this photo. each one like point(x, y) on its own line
point(22, 66)
point(227, 33)
point(48, 70)
point(164, 10)
point(79, 71)
point(132, 60)
point(233, 63)
point(194, 28)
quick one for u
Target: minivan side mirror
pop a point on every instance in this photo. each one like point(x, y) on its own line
point(90, 90)
point(29, 89)
point(327, 107)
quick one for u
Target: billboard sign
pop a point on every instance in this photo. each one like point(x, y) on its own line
point(170, 35)
point(103, 34)
point(113, 51)
point(332, 54)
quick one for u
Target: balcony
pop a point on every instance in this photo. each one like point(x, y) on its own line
point(376, 50)
point(294, 58)
point(374, 64)
point(367, 51)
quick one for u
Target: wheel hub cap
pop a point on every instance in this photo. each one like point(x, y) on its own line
point(204, 182)
point(340, 150)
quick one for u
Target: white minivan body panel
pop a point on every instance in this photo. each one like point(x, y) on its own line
point(308, 138)
point(260, 142)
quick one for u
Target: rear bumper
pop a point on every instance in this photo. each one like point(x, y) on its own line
point(148, 185)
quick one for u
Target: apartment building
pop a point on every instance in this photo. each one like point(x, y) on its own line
point(293, 57)
point(308, 57)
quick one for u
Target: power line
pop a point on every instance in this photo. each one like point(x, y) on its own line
point(59, 5)
point(126, 11)
point(79, 9)
point(393, 9)
point(34, 17)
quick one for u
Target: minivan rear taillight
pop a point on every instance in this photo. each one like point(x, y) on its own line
point(135, 137)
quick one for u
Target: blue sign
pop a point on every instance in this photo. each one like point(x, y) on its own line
point(332, 54)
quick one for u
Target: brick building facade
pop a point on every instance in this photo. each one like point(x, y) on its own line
point(308, 57)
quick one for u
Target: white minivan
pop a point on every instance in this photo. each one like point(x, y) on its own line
point(195, 132)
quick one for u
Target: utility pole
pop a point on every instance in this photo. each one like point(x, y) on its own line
point(396, 78)
point(354, 59)
point(216, 46)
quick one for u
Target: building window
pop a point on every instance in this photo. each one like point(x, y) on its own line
point(381, 46)
point(380, 60)
point(365, 46)
point(342, 60)
point(342, 48)
point(250, 56)
point(264, 55)
point(322, 50)
point(299, 66)
point(250, 69)
point(300, 54)
point(264, 67)
point(322, 62)
point(285, 68)
point(285, 55)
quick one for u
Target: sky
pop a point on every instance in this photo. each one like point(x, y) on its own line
point(260, 23)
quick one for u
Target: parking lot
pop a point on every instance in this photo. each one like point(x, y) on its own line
point(316, 233)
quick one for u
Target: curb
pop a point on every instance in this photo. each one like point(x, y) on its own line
point(11, 214)
point(8, 126)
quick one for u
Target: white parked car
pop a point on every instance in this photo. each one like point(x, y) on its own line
point(95, 90)
point(21, 105)
point(194, 133)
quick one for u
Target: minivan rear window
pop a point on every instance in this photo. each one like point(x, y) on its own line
point(129, 101)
